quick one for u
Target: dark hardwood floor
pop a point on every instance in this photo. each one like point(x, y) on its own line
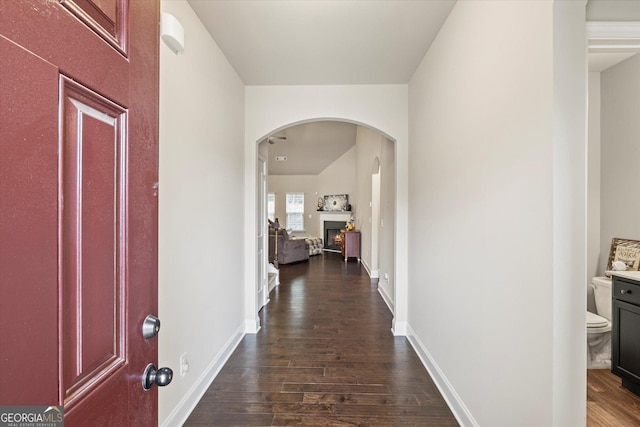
point(325, 356)
point(608, 404)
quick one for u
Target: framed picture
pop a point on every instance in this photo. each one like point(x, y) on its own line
point(625, 250)
point(336, 202)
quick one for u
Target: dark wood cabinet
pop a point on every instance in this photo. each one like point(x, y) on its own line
point(625, 336)
point(350, 244)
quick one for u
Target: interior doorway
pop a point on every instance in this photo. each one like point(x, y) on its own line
point(367, 191)
point(614, 49)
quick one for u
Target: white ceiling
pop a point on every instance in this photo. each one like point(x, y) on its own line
point(310, 147)
point(321, 42)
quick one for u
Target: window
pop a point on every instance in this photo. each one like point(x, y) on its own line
point(271, 206)
point(295, 211)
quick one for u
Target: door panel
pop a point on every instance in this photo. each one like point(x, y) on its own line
point(106, 17)
point(91, 247)
point(79, 195)
point(49, 30)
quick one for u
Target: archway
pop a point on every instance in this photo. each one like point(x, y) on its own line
point(355, 170)
point(386, 147)
point(380, 107)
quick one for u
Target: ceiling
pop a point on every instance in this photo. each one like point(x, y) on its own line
point(320, 42)
point(310, 147)
point(340, 42)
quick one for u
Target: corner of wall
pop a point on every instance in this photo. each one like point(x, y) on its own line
point(189, 401)
point(455, 403)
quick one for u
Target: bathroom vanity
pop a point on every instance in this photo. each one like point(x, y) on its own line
point(625, 337)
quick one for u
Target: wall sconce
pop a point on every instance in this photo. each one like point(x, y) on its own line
point(172, 32)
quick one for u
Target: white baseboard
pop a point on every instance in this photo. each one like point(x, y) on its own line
point(399, 329)
point(272, 285)
point(252, 326)
point(373, 274)
point(454, 402)
point(386, 298)
point(366, 267)
point(181, 412)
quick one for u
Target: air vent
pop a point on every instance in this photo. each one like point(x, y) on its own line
point(281, 158)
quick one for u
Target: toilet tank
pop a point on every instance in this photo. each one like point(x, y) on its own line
point(602, 294)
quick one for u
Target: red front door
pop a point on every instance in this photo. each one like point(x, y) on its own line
point(78, 206)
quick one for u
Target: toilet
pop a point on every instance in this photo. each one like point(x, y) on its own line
point(599, 326)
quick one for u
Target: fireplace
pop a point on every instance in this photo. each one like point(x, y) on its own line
point(332, 238)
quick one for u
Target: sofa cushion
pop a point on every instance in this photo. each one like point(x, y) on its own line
point(314, 245)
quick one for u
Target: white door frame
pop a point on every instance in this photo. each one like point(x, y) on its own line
point(261, 226)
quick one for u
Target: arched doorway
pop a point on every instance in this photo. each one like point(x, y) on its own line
point(383, 108)
point(373, 190)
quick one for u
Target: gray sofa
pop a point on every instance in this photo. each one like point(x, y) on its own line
point(289, 250)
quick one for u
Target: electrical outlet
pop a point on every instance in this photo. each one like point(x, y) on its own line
point(184, 364)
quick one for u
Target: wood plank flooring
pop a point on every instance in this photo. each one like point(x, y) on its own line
point(325, 356)
point(608, 404)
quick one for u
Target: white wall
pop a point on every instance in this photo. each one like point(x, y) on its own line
point(339, 178)
point(372, 146)
point(593, 179)
point(483, 196)
point(620, 154)
point(201, 226)
point(613, 10)
point(269, 108)
point(368, 143)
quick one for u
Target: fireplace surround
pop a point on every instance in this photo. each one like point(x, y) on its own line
point(332, 239)
point(333, 221)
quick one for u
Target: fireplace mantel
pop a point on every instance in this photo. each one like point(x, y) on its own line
point(333, 216)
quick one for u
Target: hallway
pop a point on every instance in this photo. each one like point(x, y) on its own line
point(325, 355)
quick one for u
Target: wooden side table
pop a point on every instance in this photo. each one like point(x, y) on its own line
point(350, 244)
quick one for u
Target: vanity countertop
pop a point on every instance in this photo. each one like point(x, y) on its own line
point(633, 275)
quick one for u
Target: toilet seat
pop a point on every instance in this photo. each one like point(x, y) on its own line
point(597, 324)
